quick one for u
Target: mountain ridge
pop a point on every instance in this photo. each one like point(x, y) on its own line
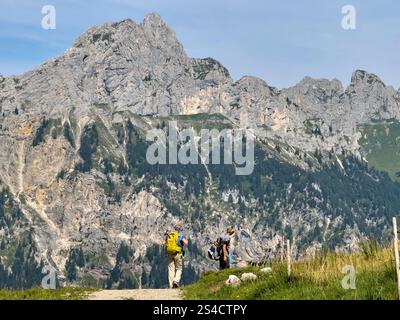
point(78, 194)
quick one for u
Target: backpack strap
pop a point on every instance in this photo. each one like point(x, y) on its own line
point(180, 243)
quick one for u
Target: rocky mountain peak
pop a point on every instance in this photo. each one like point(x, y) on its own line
point(320, 83)
point(255, 86)
point(310, 94)
point(151, 31)
point(154, 19)
point(126, 65)
point(319, 87)
point(361, 77)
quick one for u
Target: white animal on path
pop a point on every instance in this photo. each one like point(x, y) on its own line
point(233, 281)
point(266, 270)
point(248, 277)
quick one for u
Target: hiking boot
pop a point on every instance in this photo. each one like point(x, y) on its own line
point(175, 285)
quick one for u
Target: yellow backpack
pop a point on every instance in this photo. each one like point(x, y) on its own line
point(172, 243)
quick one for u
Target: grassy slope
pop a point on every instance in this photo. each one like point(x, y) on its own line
point(315, 279)
point(42, 294)
point(381, 145)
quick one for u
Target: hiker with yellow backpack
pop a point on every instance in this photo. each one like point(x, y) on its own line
point(175, 242)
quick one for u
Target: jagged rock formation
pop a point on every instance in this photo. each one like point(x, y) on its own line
point(72, 141)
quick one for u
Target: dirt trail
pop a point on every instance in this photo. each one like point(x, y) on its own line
point(137, 294)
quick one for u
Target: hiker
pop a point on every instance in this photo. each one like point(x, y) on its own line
point(175, 242)
point(222, 248)
point(224, 243)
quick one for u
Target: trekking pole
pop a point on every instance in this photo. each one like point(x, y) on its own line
point(396, 254)
point(289, 267)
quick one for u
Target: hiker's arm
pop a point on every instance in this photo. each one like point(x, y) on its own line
point(225, 252)
point(185, 242)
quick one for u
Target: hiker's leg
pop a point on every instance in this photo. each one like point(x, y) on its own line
point(222, 264)
point(178, 268)
point(171, 270)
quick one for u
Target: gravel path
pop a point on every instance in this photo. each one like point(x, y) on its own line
point(137, 294)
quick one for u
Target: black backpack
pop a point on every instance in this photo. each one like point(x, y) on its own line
point(215, 251)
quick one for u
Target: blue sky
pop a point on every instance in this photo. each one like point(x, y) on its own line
point(280, 41)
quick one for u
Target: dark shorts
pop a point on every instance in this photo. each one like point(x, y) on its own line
point(223, 264)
